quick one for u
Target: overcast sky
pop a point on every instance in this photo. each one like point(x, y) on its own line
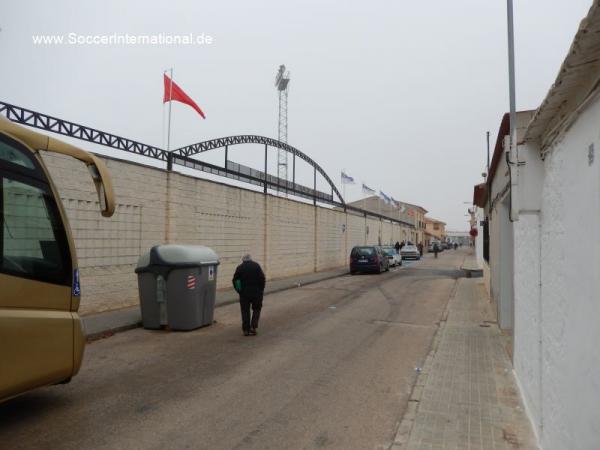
point(398, 93)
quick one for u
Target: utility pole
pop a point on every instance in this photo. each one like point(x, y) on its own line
point(513, 157)
point(488, 152)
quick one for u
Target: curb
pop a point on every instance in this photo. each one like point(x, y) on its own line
point(129, 325)
point(111, 331)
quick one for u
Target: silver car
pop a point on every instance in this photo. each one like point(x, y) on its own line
point(410, 251)
point(394, 258)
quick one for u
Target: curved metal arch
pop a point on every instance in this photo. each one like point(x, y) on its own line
point(201, 147)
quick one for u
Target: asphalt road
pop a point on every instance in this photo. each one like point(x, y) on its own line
point(332, 367)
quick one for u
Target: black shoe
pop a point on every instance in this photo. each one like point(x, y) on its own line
point(252, 332)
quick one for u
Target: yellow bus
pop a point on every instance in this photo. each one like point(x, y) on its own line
point(41, 335)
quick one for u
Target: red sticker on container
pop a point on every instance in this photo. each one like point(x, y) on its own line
point(191, 282)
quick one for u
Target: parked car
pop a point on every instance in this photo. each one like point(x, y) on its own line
point(410, 251)
point(368, 258)
point(394, 258)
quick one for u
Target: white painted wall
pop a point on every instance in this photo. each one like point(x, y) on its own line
point(527, 347)
point(527, 327)
point(498, 227)
point(479, 216)
point(500, 277)
point(557, 289)
point(505, 266)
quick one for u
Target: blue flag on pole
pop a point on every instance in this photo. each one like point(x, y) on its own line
point(367, 190)
point(385, 198)
point(347, 179)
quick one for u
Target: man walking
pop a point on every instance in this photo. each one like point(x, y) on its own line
point(249, 282)
point(397, 247)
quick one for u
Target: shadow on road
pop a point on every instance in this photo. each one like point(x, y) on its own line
point(36, 403)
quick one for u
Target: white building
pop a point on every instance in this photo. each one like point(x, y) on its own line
point(496, 196)
point(543, 255)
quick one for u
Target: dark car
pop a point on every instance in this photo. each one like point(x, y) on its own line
point(368, 258)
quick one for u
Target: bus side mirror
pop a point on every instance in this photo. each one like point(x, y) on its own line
point(105, 196)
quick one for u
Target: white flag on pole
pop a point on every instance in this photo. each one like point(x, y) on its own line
point(347, 179)
point(385, 198)
point(367, 190)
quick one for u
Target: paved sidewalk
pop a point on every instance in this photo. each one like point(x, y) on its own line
point(466, 396)
point(470, 265)
point(127, 318)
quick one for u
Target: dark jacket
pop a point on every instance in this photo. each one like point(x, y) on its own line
point(252, 279)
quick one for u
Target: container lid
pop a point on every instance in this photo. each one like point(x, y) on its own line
point(178, 256)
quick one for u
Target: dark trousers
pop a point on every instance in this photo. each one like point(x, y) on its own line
point(245, 304)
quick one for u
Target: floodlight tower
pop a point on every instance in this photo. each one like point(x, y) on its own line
point(281, 83)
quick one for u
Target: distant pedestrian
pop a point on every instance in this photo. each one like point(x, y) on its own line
point(397, 247)
point(436, 249)
point(420, 247)
point(249, 282)
point(402, 245)
point(455, 246)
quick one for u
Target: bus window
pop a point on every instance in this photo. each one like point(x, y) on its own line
point(10, 154)
point(34, 244)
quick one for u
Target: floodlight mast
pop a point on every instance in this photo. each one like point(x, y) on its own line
point(281, 83)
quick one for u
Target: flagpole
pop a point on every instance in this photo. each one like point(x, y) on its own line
point(170, 105)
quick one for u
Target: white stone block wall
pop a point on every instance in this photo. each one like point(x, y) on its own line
point(291, 237)
point(155, 207)
point(387, 233)
point(374, 230)
point(356, 230)
point(331, 239)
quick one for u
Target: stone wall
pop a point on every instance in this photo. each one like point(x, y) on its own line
point(154, 206)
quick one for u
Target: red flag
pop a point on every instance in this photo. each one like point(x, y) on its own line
point(179, 95)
